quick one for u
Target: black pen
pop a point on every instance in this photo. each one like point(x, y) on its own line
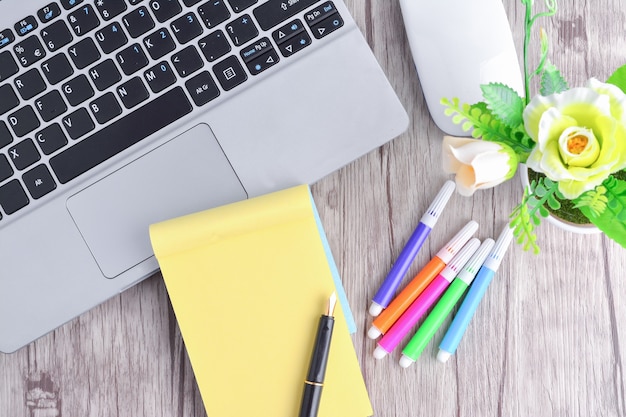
point(317, 368)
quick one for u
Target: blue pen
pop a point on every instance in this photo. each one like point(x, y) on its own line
point(455, 332)
point(385, 293)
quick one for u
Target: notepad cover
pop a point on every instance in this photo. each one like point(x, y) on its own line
point(248, 283)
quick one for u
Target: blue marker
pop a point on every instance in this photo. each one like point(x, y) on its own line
point(455, 332)
point(385, 293)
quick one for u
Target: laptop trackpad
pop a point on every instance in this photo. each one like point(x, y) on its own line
point(189, 173)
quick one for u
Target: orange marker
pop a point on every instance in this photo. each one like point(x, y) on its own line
point(388, 317)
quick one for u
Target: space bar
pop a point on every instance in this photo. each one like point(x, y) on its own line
point(120, 135)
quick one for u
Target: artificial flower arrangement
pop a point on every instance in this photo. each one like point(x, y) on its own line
point(574, 138)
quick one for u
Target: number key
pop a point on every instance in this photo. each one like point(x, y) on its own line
point(56, 35)
point(111, 37)
point(186, 28)
point(29, 51)
point(108, 9)
point(83, 20)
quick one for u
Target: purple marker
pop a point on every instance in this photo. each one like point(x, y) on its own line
point(385, 293)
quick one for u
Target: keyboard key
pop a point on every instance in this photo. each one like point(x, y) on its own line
point(284, 33)
point(5, 135)
point(105, 108)
point(23, 121)
point(108, 9)
point(120, 135)
point(50, 105)
point(133, 2)
point(105, 74)
point(29, 84)
point(5, 168)
point(316, 15)
point(190, 3)
point(6, 37)
point(77, 90)
point(8, 99)
point(159, 77)
point(111, 37)
point(56, 69)
point(12, 197)
point(327, 26)
point(165, 9)
point(229, 73)
point(187, 61)
point(241, 5)
point(68, 4)
point(25, 26)
point(202, 88)
point(259, 62)
point(159, 43)
point(84, 53)
point(24, 154)
point(83, 20)
point(78, 123)
point(242, 30)
point(56, 35)
point(131, 59)
point(138, 22)
point(51, 139)
point(274, 12)
point(49, 12)
point(8, 67)
point(213, 13)
point(39, 181)
point(186, 27)
point(29, 51)
point(294, 44)
point(214, 46)
point(256, 49)
point(132, 92)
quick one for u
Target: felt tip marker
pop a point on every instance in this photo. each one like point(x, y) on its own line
point(388, 317)
point(445, 305)
point(425, 300)
point(461, 320)
point(385, 293)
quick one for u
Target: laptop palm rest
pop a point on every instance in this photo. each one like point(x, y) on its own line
point(114, 213)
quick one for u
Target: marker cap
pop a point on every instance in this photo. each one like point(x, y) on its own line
point(405, 361)
point(460, 259)
point(436, 207)
point(456, 243)
point(472, 266)
point(374, 332)
point(494, 259)
point(375, 309)
point(380, 353)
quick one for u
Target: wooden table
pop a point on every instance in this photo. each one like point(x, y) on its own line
point(548, 339)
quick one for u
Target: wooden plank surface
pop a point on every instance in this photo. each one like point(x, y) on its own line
point(549, 338)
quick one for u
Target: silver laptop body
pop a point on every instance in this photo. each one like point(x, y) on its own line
point(213, 102)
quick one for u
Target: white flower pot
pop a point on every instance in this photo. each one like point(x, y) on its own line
point(586, 229)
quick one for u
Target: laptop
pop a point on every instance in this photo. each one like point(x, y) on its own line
point(116, 114)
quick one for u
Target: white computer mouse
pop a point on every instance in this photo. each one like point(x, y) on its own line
point(457, 45)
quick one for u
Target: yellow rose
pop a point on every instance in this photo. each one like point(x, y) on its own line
point(580, 136)
point(478, 164)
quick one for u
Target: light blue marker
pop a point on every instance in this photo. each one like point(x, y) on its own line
point(455, 332)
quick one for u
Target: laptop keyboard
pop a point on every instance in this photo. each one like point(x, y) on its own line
point(82, 81)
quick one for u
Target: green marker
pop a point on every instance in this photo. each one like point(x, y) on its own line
point(446, 303)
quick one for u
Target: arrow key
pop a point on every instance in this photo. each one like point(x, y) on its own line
point(295, 44)
point(263, 62)
point(327, 26)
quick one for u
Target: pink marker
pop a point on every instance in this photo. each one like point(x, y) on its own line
point(427, 298)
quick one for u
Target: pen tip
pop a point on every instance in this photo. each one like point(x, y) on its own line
point(331, 304)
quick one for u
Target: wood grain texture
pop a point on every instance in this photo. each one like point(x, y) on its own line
point(549, 339)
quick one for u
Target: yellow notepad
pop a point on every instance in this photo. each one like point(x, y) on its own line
point(248, 283)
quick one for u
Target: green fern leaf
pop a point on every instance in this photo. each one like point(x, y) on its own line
point(612, 221)
point(504, 103)
point(596, 200)
point(551, 81)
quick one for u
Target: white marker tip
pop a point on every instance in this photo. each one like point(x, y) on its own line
point(373, 333)
point(375, 309)
point(405, 361)
point(379, 352)
point(443, 356)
